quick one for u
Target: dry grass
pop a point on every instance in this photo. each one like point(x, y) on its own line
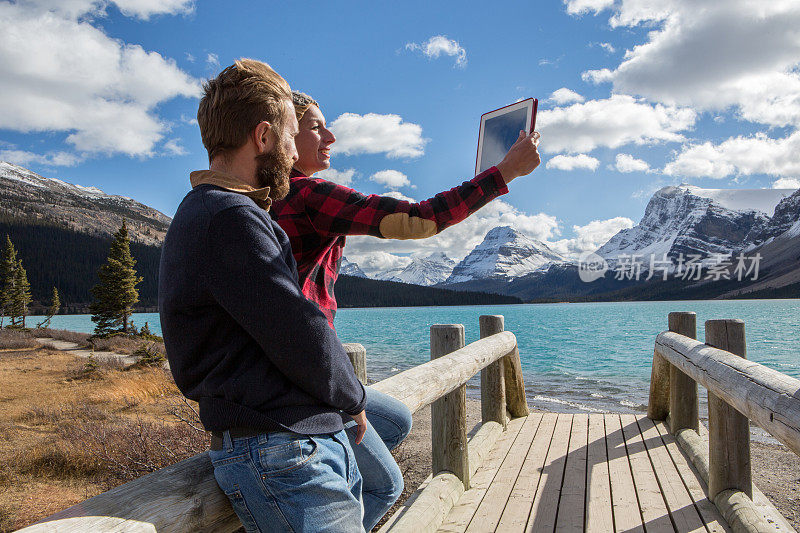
point(124, 344)
point(64, 438)
point(62, 335)
point(14, 339)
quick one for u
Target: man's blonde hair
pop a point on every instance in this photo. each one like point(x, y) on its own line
point(234, 102)
point(302, 102)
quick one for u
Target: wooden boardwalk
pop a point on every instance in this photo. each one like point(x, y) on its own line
point(597, 472)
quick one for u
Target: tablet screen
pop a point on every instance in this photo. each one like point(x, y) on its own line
point(499, 131)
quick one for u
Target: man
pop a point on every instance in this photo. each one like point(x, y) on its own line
point(270, 376)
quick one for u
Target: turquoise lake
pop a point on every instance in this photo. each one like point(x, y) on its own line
point(575, 357)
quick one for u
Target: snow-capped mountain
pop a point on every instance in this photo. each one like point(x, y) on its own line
point(690, 220)
point(785, 218)
point(505, 254)
point(28, 196)
point(349, 268)
point(427, 269)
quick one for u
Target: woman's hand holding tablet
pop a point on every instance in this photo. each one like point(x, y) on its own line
point(522, 158)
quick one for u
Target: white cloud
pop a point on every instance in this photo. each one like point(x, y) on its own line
point(458, 240)
point(189, 57)
point(392, 179)
point(342, 177)
point(786, 183)
point(613, 122)
point(173, 147)
point(713, 56)
point(573, 162)
point(375, 134)
point(565, 96)
point(440, 45)
point(581, 7)
point(212, 60)
point(741, 156)
point(608, 47)
point(373, 263)
point(397, 195)
point(51, 159)
point(627, 163)
point(590, 237)
point(142, 9)
point(61, 73)
point(186, 119)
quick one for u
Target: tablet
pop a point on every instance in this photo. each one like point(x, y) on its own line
point(500, 129)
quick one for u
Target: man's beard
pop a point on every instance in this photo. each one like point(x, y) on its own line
point(272, 170)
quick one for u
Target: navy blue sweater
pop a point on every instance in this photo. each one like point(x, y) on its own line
point(241, 338)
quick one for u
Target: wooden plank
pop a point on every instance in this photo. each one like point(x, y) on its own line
point(625, 505)
point(599, 517)
point(654, 510)
point(681, 507)
point(573, 491)
point(694, 485)
point(462, 512)
point(517, 509)
point(545, 505)
point(494, 501)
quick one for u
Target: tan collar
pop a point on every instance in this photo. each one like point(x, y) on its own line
point(231, 183)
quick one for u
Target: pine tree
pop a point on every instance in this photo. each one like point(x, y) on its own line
point(116, 293)
point(55, 305)
point(20, 295)
point(8, 266)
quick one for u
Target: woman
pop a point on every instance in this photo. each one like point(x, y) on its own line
point(317, 215)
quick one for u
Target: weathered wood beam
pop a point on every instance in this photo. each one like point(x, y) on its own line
point(421, 385)
point(683, 401)
point(449, 413)
point(493, 386)
point(728, 429)
point(765, 396)
point(358, 358)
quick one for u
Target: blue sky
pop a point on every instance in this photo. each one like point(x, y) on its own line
point(635, 95)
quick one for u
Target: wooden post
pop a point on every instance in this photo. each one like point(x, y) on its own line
point(728, 429)
point(493, 386)
point(449, 413)
point(358, 357)
point(683, 408)
point(658, 405)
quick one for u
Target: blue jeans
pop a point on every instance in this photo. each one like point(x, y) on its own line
point(285, 481)
point(389, 423)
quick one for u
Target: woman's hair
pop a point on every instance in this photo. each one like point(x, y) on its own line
point(235, 102)
point(301, 103)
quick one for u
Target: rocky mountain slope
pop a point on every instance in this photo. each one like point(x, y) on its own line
point(505, 254)
point(689, 220)
point(426, 269)
point(27, 196)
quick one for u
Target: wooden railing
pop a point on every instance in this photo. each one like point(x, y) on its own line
point(738, 391)
point(185, 496)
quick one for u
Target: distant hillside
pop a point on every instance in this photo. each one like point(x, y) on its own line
point(54, 256)
point(28, 196)
point(362, 292)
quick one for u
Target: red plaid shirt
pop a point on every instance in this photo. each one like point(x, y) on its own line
point(318, 214)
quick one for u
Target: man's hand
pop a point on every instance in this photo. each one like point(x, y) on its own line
point(521, 158)
point(361, 420)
